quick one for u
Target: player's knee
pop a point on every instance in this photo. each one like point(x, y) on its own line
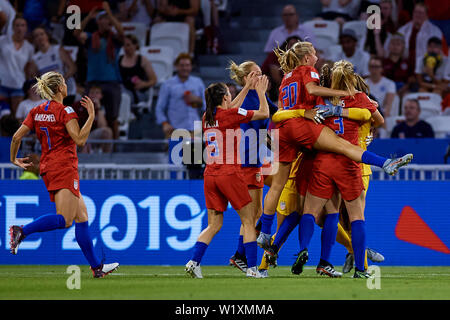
point(215, 226)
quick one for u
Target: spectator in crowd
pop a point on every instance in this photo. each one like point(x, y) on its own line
point(102, 68)
point(8, 125)
point(211, 29)
point(412, 127)
point(181, 98)
point(291, 27)
point(351, 52)
point(430, 68)
point(180, 11)
point(136, 71)
point(376, 38)
point(33, 11)
point(53, 57)
point(138, 11)
point(32, 99)
point(7, 15)
point(31, 172)
point(271, 68)
point(417, 32)
point(339, 10)
point(395, 66)
point(15, 61)
point(233, 89)
point(100, 129)
point(381, 87)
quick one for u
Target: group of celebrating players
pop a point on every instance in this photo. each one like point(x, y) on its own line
point(322, 169)
point(318, 164)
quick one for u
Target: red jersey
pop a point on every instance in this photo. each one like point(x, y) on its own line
point(293, 93)
point(49, 120)
point(221, 161)
point(344, 127)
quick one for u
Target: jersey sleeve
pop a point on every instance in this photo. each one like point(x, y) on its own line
point(242, 116)
point(364, 102)
point(309, 74)
point(29, 120)
point(68, 114)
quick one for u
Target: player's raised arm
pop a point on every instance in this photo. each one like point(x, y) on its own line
point(15, 144)
point(261, 88)
point(81, 135)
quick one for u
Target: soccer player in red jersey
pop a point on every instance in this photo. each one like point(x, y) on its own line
point(223, 180)
point(57, 130)
point(331, 173)
point(299, 90)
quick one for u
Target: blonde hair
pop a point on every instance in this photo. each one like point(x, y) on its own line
point(292, 58)
point(343, 77)
point(238, 72)
point(47, 85)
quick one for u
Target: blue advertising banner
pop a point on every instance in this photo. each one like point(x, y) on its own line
point(158, 222)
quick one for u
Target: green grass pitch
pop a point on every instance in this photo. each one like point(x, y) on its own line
point(221, 283)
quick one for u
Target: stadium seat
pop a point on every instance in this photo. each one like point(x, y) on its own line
point(162, 58)
point(324, 28)
point(430, 103)
point(360, 28)
point(323, 43)
point(124, 115)
point(440, 125)
point(140, 30)
point(333, 51)
point(171, 34)
point(73, 51)
point(391, 122)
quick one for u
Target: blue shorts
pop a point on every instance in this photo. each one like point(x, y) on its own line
point(10, 92)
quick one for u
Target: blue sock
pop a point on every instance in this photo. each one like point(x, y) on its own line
point(199, 251)
point(241, 248)
point(250, 252)
point(266, 223)
point(359, 243)
point(84, 240)
point(45, 223)
point(289, 223)
point(306, 230)
point(328, 237)
point(373, 159)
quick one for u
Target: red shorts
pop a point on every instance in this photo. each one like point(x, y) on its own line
point(253, 177)
point(332, 172)
point(295, 134)
point(221, 189)
point(304, 172)
point(66, 178)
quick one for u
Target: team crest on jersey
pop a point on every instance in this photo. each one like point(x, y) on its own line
point(314, 75)
point(69, 110)
point(258, 177)
point(75, 184)
point(282, 205)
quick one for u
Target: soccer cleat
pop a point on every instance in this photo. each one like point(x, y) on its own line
point(328, 270)
point(302, 258)
point(263, 240)
point(193, 269)
point(253, 273)
point(374, 256)
point(264, 273)
point(104, 269)
point(16, 237)
point(271, 257)
point(362, 274)
point(391, 166)
point(239, 262)
point(348, 265)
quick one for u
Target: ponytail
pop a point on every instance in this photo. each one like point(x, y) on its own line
point(48, 84)
point(238, 72)
point(214, 95)
point(292, 58)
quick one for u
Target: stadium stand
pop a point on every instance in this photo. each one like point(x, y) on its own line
point(171, 34)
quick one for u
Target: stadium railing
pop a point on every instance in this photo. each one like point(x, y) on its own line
point(112, 171)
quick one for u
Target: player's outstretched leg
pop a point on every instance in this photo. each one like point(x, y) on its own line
point(45, 223)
